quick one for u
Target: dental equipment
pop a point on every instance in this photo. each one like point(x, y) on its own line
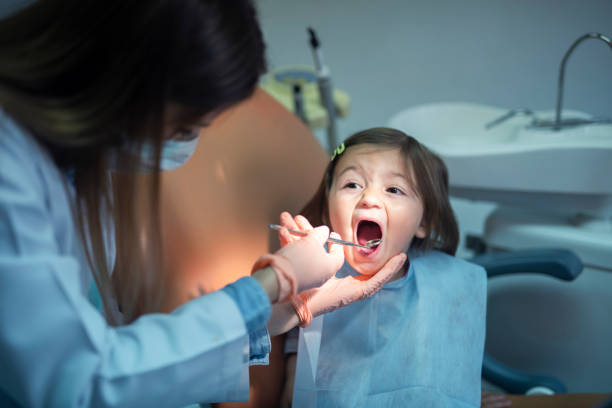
point(325, 89)
point(298, 103)
point(368, 245)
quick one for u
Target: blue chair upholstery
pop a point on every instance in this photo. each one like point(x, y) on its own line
point(558, 263)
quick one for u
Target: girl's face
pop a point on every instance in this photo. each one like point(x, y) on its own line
point(373, 196)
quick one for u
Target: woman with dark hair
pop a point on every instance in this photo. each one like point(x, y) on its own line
point(92, 87)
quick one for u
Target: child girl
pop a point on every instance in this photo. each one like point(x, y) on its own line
point(419, 341)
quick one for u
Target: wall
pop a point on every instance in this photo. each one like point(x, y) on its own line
point(389, 55)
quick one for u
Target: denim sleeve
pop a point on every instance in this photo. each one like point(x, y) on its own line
point(260, 347)
point(255, 307)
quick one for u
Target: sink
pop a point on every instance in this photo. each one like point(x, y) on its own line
point(460, 125)
point(567, 171)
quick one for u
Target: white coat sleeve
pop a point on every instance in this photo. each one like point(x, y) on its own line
point(56, 349)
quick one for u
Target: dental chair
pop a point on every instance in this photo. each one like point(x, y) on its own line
point(556, 263)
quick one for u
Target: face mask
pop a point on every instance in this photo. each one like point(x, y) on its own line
point(174, 153)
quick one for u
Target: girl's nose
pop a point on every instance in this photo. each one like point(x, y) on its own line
point(370, 199)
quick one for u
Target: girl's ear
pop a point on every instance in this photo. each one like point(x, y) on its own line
point(421, 232)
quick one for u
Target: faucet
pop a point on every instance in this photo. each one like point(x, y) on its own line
point(557, 124)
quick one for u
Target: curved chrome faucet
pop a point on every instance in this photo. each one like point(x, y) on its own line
point(557, 123)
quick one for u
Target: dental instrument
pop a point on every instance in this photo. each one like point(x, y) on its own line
point(368, 245)
point(325, 89)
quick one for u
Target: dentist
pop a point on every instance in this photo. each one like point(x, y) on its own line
point(94, 89)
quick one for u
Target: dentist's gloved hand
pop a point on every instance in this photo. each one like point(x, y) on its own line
point(299, 223)
point(336, 292)
point(303, 264)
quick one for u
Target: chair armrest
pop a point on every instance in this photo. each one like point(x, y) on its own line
point(515, 381)
point(559, 263)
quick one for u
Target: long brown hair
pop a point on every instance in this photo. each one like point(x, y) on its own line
point(431, 179)
point(86, 76)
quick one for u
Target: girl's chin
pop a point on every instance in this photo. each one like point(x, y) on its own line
point(366, 269)
point(369, 270)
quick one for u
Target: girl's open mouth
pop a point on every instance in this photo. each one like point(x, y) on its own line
point(368, 231)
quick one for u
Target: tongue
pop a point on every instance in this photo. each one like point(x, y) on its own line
point(367, 231)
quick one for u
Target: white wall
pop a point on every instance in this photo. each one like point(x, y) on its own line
point(392, 54)
point(389, 55)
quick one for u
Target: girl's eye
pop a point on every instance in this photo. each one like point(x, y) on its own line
point(351, 185)
point(395, 190)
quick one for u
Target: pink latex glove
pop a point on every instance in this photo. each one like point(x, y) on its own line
point(304, 263)
point(299, 223)
point(336, 292)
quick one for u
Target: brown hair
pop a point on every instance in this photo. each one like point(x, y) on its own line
point(84, 76)
point(431, 185)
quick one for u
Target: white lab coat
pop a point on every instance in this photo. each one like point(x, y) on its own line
point(56, 349)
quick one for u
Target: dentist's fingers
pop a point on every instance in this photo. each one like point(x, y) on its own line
point(339, 292)
point(285, 237)
point(303, 223)
point(303, 264)
point(287, 221)
point(320, 234)
point(376, 282)
point(336, 250)
point(299, 223)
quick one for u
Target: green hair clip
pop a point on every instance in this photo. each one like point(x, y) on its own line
point(338, 151)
